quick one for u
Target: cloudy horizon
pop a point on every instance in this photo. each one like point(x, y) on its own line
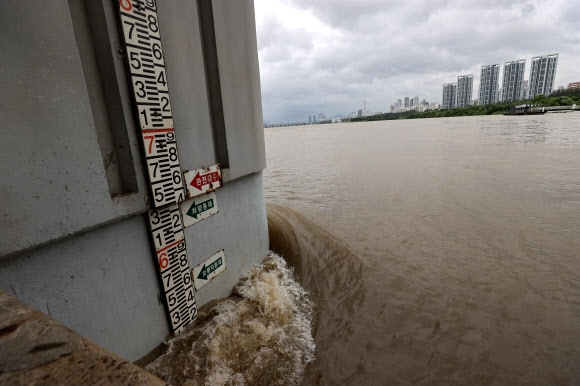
point(330, 56)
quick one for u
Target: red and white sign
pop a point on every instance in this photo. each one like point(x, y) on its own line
point(203, 180)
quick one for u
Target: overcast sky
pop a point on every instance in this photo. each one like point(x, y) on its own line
point(329, 55)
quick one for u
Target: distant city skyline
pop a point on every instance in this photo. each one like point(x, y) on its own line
point(414, 104)
point(541, 80)
point(329, 56)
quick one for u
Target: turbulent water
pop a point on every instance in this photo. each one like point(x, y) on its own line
point(261, 335)
point(445, 251)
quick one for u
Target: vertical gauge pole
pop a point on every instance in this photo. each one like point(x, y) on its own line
point(148, 77)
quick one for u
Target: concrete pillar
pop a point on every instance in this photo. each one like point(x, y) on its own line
point(74, 240)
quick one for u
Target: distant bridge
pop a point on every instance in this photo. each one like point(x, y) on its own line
point(322, 122)
point(557, 109)
point(289, 124)
point(535, 109)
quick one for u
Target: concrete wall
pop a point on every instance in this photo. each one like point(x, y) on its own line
point(37, 350)
point(236, 50)
point(54, 172)
point(74, 240)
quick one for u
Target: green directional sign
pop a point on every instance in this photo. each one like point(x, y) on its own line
point(206, 271)
point(210, 268)
point(199, 208)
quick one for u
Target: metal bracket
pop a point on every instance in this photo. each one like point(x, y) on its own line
point(119, 50)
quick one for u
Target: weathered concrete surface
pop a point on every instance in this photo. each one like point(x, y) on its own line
point(240, 228)
point(101, 284)
point(35, 349)
point(237, 54)
point(179, 23)
point(54, 181)
point(74, 239)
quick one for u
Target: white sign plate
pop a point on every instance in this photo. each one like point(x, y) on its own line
point(149, 82)
point(167, 231)
point(206, 271)
point(203, 180)
point(198, 208)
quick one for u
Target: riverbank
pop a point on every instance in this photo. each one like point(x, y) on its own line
point(558, 98)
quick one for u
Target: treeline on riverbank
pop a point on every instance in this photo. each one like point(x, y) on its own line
point(557, 98)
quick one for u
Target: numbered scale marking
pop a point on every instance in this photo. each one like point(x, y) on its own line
point(149, 80)
point(167, 230)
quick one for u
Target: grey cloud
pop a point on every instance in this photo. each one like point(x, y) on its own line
point(382, 51)
point(528, 9)
point(571, 15)
point(280, 44)
point(351, 15)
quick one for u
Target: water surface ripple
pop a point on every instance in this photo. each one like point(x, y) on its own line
point(468, 231)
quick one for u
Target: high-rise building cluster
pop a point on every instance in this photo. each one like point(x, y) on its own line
point(316, 118)
point(411, 103)
point(513, 87)
point(458, 94)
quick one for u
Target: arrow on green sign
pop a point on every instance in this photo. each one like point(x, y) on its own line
point(206, 271)
point(197, 209)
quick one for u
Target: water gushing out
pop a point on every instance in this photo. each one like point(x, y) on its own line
point(259, 335)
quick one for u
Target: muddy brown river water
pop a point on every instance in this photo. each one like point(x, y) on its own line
point(441, 251)
point(430, 252)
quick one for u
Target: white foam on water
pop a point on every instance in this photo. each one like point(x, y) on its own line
point(262, 334)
